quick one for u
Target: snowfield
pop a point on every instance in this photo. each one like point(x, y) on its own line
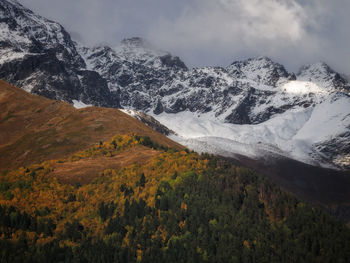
point(292, 134)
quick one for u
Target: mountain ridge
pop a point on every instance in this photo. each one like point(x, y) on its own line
point(34, 129)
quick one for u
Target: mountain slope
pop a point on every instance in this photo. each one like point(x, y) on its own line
point(39, 56)
point(34, 128)
point(325, 188)
point(133, 68)
point(317, 135)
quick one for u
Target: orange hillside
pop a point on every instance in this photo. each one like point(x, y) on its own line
point(34, 129)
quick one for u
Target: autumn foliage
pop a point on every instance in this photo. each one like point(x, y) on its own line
point(176, 207)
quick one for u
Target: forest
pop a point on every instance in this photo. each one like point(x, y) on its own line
point(178, 207)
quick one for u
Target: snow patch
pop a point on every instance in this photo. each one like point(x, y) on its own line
point(10, 55)
point(79, 104)
point(130, 112)
point(302, 87)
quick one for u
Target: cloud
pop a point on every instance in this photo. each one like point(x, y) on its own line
point(229, 28)
point(106, 21)
point(92, 21)
point(215, 32)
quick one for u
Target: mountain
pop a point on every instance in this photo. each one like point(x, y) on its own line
point(253, 107)
point(39, 56)
point(133, 68)
point(89, 184)
point(35, 129)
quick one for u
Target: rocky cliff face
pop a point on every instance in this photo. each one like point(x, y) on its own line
point(39, 56)
point(134, 69)
point(246, 92)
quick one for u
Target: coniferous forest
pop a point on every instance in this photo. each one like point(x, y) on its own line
point(178, 207)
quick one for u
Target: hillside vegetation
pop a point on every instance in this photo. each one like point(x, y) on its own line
point(176, 207)
point(34, 129)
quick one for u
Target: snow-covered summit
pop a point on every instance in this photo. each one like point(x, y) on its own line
point(132, 50)
point(324, 76)
point(262, 70)
point(135, 64)
point(137, 48)
point(136, 42)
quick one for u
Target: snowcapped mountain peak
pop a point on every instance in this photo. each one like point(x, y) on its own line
point(256, 63)
point(261, 70)
point(260, 60)
point(135, 42)
point(10, 4)
point(95, 58)
point(141, 51)
point(316, 70)
point(137, 48)
point(135, 64)
point(324, 76)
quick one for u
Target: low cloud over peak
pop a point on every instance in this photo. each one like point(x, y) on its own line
point(208, 32)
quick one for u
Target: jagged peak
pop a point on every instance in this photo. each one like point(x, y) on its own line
point(260, 69)
point(25, 26)
point(102, 48)
point(320, 67)
point(139, 47)
point(262, 61)
point(15, 5)
point(320, 70)
point(12, 3)
point(322, 74)
point(136, 42)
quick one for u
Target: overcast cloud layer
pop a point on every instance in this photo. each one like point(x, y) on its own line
point(214, 32)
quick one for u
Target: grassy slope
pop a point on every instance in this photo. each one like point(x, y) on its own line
point(34, 129)
point(85, 170)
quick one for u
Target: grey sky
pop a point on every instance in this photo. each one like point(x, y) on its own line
point(214, 32)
